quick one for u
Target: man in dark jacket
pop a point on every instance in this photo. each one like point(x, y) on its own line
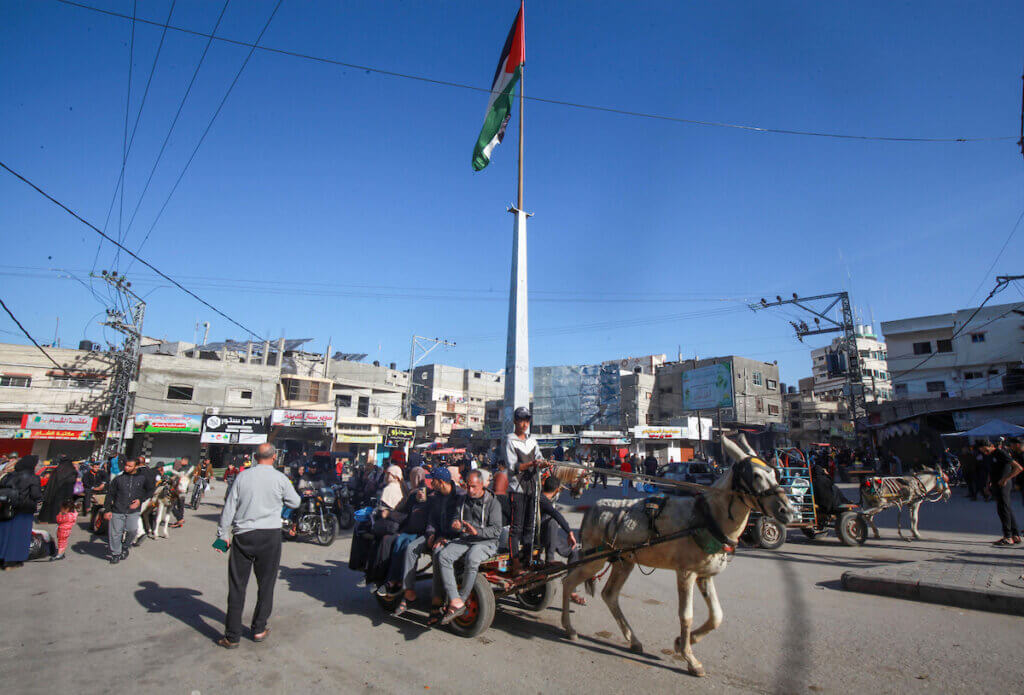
point(94, 481)
point(124, 497)
point(1002, 470)
point(476, 524)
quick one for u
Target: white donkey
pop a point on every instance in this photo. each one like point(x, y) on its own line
point(167, 492)
point(879, 494)
point(719, 515)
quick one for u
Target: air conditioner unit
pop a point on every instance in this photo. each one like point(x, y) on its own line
point(211, 411)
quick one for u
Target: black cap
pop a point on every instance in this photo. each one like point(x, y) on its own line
point(522, 414)
point(982, 442)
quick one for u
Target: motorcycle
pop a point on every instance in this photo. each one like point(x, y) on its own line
point(343, 507)
point(313, 517)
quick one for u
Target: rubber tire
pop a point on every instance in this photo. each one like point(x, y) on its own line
point(326, 536)
point(769, 533)
point(851, 529)
point(484, 596)
point(346, 518)
point(810, 533)
point(537, 599)
point(387, 604)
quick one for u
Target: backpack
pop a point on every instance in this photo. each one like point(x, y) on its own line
point(10, 499)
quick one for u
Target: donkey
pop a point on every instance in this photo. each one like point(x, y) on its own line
point(721, 513)
point(166, 494)
point(878, 494)
point(573, 478)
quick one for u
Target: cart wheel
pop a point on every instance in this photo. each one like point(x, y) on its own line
point(851, 528)
point(479, 610)
point(810, 532)
point(538, 598)
point(747, 538)
point(387, 603)
point(769, 533)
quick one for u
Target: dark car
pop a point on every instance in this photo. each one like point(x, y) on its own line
point(700, 472)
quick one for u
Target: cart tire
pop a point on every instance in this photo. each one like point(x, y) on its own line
point(537, 598)
point(769, 533)
point(810, 532)
point(327, 532)
point(480, 614)
point(747, 538)
point(851, 528)
point(346, 518)
point(387, 603)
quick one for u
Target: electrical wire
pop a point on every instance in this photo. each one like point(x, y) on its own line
point(590, 107)
point(124, 143)
point(998, 255)
point(207, 130)
point(130, 252)
point(29, 336)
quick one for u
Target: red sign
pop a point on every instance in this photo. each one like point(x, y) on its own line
point(59, 434)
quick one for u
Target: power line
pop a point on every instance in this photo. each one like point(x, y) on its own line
point(29, 336)
point(207, 130)
point(1000, 254)
point(130, 252)
point(590, 107)
point(174, 122)
point(124, 143)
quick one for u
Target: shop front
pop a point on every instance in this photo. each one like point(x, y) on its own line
point(359, 448)
point(610, 445)
point(49, 435)
point(300, 433)
point(675, 443)
point(164, 437)
point(228, 438)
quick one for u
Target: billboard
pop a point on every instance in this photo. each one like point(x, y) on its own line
point(302, 418)
point(585, 395)
point(233, 429)
point(162, 422)
point(707, 388)
point(48, 421)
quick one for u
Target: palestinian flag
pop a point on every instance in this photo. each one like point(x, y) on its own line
point(499, 107)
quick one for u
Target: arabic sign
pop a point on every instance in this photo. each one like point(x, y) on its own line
point(708, 387)
point(233, 429)
point(75, 435)
point(45, 421)
point(358, 439)
point(160, 422)
point(302, 418)
point(641, 432)
point(398, 436)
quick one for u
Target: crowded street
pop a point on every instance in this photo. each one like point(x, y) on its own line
point(150, 622)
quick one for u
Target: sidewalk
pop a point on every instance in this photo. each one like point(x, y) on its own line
point(989, 585)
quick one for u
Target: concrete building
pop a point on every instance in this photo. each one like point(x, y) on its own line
point(943, 356)
point(874, 368)
point(452, 398)
point(816, 418)
point(749, 394)
point(48, 411)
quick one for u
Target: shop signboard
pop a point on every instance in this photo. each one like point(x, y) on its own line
point(165, 423)
point(73, 435)
point(302, 418)
point(708, 387)
point(52, 421)
point(359, 439)
point(397, 437)
point(641, 432)
point(606, 441)
point(233, 429)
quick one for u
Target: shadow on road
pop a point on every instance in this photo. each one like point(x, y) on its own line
point(97, 549)
point(182, 604)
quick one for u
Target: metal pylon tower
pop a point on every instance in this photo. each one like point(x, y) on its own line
point(823, 323)
point(421, 347)
point(126, 317)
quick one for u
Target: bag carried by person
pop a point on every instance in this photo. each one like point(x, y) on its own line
point(10, 498)
point(79, 488)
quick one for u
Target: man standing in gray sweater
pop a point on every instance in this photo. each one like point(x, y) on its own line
point(252, 515)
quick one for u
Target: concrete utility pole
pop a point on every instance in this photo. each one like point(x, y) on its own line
point(421, 347)
point(126, 361)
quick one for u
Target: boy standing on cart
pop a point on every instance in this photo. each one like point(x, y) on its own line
point(523, 456)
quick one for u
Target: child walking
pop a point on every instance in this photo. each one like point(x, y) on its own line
point(65, 522)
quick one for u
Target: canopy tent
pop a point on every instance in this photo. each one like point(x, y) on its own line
point(992, 428)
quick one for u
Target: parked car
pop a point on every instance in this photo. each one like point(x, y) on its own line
point(700, 472)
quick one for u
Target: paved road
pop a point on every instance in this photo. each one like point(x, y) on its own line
point(148, 625)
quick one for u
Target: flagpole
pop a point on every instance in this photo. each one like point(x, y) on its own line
point(522, 110)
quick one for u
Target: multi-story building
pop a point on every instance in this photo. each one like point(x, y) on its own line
point(452, 398)
point(816, 418)
point(48, 411)
point(829, 367)
point(944, 356)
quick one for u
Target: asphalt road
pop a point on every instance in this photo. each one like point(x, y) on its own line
point(149, 625)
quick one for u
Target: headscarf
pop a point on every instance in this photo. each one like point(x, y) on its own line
point(392, 493)
point(456, 475)
point(27, 463)
point(417, 476)
point(65, 470)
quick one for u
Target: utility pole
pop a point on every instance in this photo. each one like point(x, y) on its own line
point(126, 360)
point(823, 323)
point(421, 347)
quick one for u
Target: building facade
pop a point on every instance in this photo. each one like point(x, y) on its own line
point(452, 398)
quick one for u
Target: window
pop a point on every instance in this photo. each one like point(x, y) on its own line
point(756, 378)
point(73, 383)
point(993, 372)
point(239, 396)
point(246, 395)
point(476, 375)
point(363, 408)
point(935, 386)
point(973, 375)
point(924, 348)
point(944, 345)
point(977, 337)
point(901, 389)
point(759, 404)
point(301, 390)
point(773, 409)
point(865, 353)
point(772, 384)
point(22, 382)
point(179, 393)
point(343, 401)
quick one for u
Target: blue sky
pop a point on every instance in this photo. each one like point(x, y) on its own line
point(333, 203)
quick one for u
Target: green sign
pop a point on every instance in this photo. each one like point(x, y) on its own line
point(708, 388)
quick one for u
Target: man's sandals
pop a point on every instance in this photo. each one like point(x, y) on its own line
point(451, 614)
point(1007, 541)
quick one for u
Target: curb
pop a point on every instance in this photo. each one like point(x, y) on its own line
point(994, 600)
